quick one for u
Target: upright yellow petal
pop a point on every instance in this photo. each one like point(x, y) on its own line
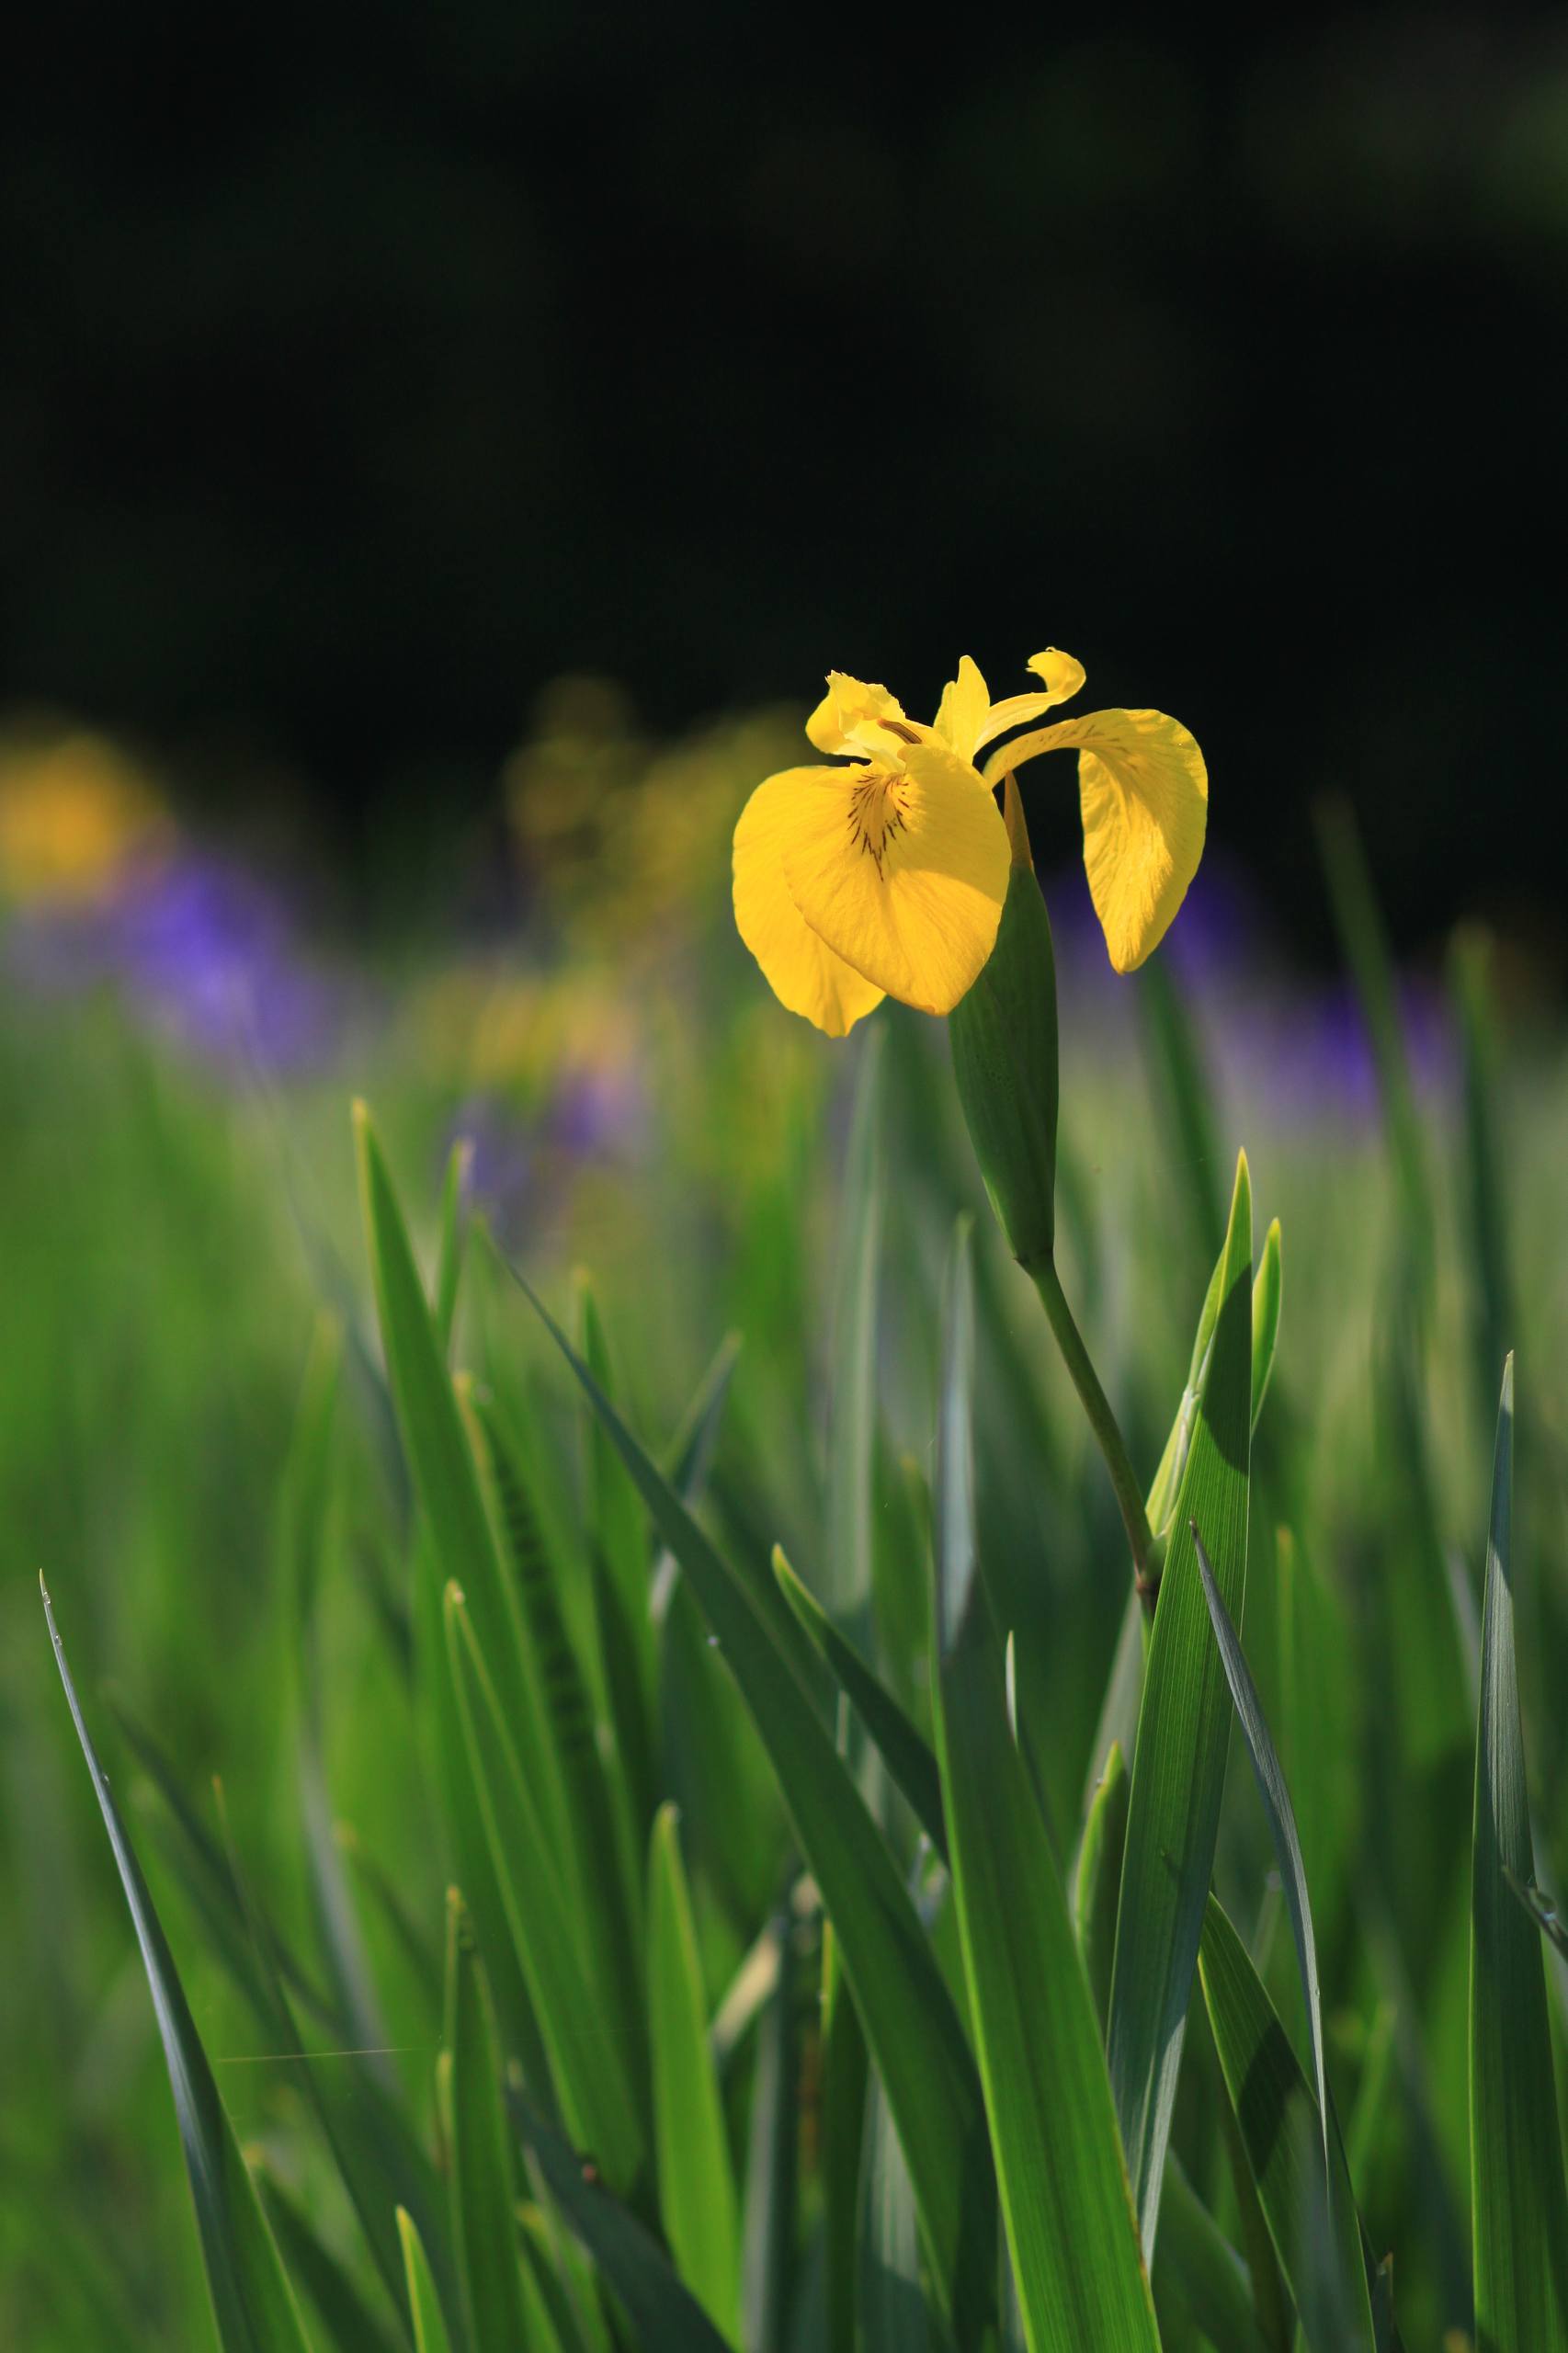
point(1145, 794)
point(802, 970)
point(1062, 673)
point(903, 872)
point(847, 718)
point(964, 705)
point(1062, 677)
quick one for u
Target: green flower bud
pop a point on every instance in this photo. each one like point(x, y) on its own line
point(1004, 1040)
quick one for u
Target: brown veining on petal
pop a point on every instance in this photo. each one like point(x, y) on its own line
point(878, 802)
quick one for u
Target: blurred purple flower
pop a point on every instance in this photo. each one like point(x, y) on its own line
point(1218, 932)
point(203, 951)
point(500, 1165)
point(1297, 1052)
point(597, 1113)
point(1304, 1054)
point(527, 1161)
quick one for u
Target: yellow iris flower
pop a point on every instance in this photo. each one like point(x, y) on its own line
point(885, 876)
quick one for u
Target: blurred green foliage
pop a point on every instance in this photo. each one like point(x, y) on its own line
point(247, 1588)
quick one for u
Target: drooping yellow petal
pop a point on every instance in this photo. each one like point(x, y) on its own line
point(1062, 677)
point(802, 970)
point(847, 719)
point(965, 703)
point(903, 872)
point(1145, 794)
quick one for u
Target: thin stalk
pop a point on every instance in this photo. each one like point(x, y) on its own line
point(1042, 1273)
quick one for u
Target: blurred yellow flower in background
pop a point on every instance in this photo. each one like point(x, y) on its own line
point(627, 839)
point(74, 812)
point(498, 1028)
point(886, 876)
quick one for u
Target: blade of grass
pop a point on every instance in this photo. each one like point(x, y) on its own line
point(347, 2319)
point(1265, 1301)
point(689, 1459)
point(468, 1838)
point(378, 2160)
point(912, 2028)
point(852, 1422)
point(893, 2313)
point(424, 2305)
point(204, 1876)
point(453, 1237)
point(1519, 2209)
point(598, 1803)
point(623, 1575)
point(307, 1541)
point(502, 2306)
point(1207, 2274)
point(1275, 2312)
point(903, 1751)
point(445, 1480)
point(664, 2316)
point(1370, 2109)
point(891, 2300)
point(252, 2298)
point(846, 2077)
point(560, 1968)
point(767, 2255)
point(1071, 2229)
point(1352, 2317)
point(1098, 1883)
point(717, 1769)
point(697, 2182)
point(1124, 1684)
point(1178, 1769)
point(1281, 2131)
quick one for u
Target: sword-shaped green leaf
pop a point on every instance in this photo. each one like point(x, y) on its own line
point(424, 2305)
point(696, 2181)
point(561, 1966)
point(664, 2315)
point(1345, 2318)
point(912, 2028)
point(1519, 2213)
point(502, 2304)
point(1183, 1724)
point(1070, 2228)
point(447, 1481)
point(1282, 2134)
point(902, 1749)
point(251, 2296)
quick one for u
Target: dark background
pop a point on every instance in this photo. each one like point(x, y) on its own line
point(361, 371)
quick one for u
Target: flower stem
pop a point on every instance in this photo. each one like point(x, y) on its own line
point(1042, 1273)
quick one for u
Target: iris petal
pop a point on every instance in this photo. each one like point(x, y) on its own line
point(800, 969)
point(907, 885)
point(1064, 676)
point(961, 717)
point(847, 718)
point(1144, 790)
